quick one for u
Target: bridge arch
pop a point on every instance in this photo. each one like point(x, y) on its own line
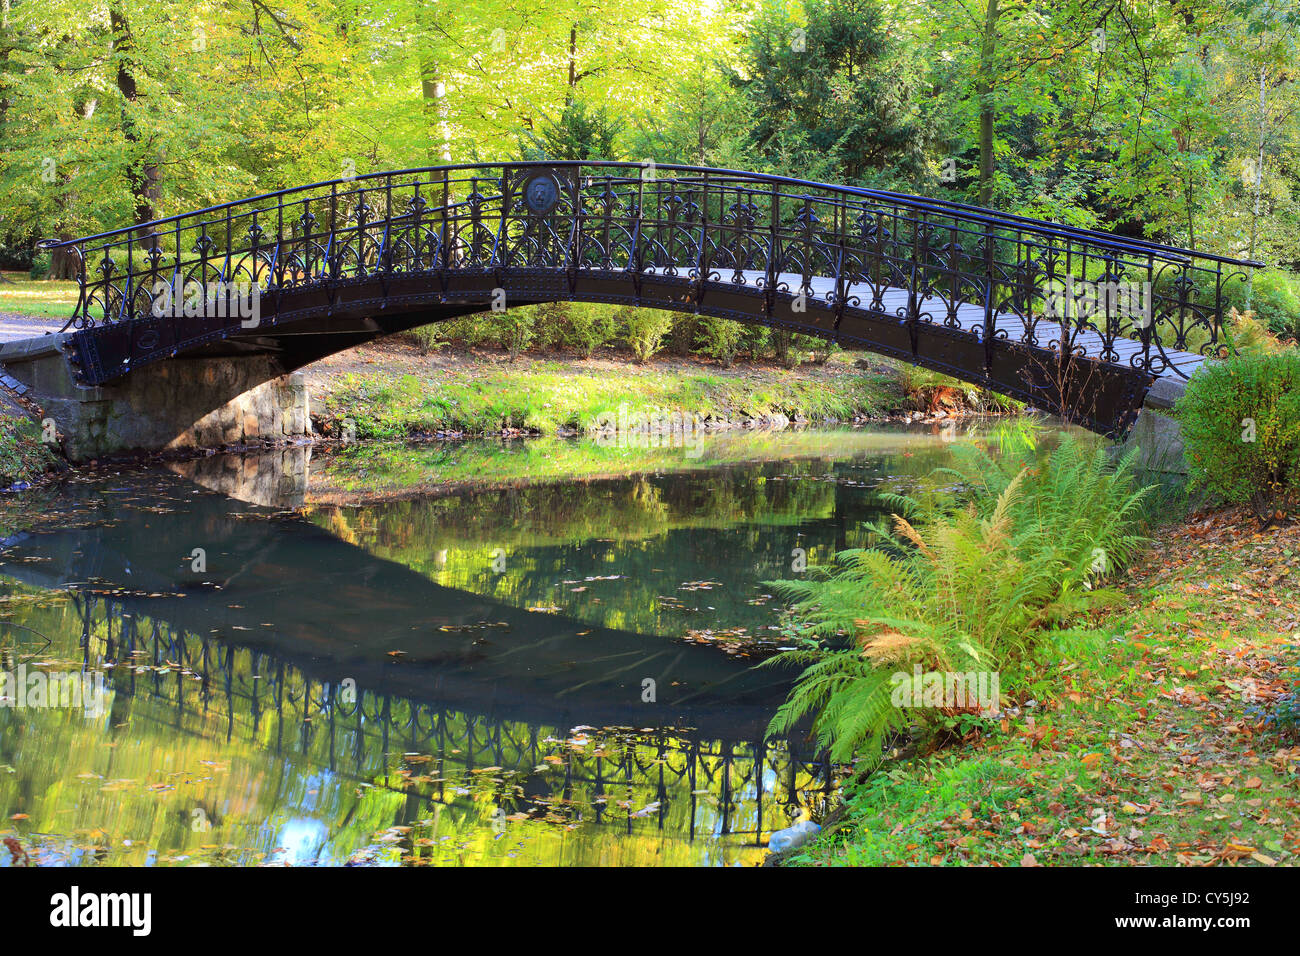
point(1066, 319)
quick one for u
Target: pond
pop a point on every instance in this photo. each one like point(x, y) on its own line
point(496, 652)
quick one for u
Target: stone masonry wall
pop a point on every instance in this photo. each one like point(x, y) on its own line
point(175, 404)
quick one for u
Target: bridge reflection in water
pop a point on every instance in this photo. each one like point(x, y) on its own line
point(674, 780)
point(327, 690)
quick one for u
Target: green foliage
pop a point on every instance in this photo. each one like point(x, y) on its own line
point(1159, 133)
point(1241, 429)
point(1274, 297)
point(645, 330)
point(23, 456)
point(429, 337)
point(720, 339)
point(585, 327)
point(579, 133)
point(972, 586)
point(40, 266)
point(823, 98)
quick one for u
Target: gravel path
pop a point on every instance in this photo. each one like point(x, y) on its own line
point(16, 326)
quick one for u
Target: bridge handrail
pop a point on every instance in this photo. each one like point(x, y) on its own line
point(1133, 305)
point(975, 214)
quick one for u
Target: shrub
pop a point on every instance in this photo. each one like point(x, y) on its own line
point(816, 350)
point(1274, 297)
point(685, 333)
point(23, 455)
point(720, 339)
point(40, 266)
point(517, 328)
point(1241, 429)
point(1247, 333)
point(957, 588)
point(550, 324)
point(513, 330)
point(645, 329)
point(587, 327)
point(783, 347)
point(754, 341)
point(429, 337)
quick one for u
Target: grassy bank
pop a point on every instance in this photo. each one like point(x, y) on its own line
point(481, 393)
point(44, 298)
point(1158, 734)
point(23, 457)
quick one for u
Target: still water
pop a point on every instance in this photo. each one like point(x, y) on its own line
point(534, 652)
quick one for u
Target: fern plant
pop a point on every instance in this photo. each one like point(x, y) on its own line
point(975, 567)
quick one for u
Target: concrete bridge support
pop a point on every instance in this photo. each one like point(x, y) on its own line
point(1156, 435)
point(195, 402)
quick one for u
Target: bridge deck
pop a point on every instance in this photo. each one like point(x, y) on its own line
point(895, 302)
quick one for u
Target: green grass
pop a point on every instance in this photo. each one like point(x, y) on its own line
point(545, 396)
point(49, 298)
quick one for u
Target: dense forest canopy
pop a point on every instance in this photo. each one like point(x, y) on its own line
point(1173, 119)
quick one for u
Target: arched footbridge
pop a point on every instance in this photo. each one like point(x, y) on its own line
point(1069, 320)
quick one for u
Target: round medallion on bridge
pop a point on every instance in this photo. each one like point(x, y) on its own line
point(541, 193)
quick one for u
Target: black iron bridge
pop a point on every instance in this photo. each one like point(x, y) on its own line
point(1072, 321)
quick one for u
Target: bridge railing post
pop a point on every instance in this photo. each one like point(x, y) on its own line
point(990, 240)
point(913, 286)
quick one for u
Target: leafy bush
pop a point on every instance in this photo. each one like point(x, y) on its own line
point(783, 347)
point(586, 327)
point(429, 337)
point(513, 330)
point(645, 329)
point(720, 339)
point(1274, 297)
point(23, 455)
point(685, 333)
point(40, 266)
point(1241, 429)
point(955, 588)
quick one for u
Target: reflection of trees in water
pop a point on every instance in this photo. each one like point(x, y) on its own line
point(394, 760)
point(541, 545)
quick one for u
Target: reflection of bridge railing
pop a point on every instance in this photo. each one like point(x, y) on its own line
point(913, 260)
point(363, 734)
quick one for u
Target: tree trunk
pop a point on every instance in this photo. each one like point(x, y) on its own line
point(434, 92)
point(984, 90)
point(142, 171)
point(63, 264)
point(573, 65)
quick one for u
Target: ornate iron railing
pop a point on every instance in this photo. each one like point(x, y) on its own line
point(910, 259)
